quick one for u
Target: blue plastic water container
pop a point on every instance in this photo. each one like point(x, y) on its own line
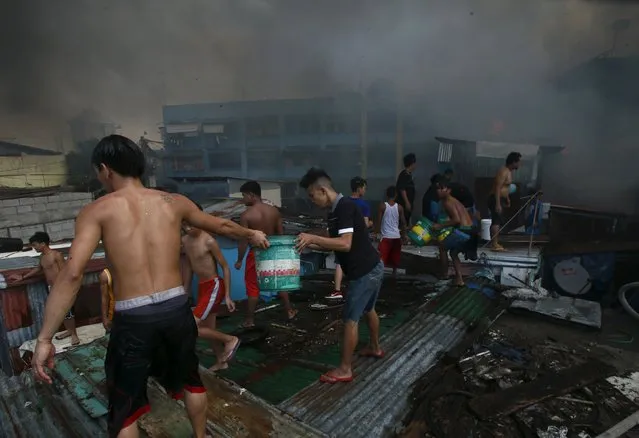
point(310, 263)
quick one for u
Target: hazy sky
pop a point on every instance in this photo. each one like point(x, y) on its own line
point(126, 59)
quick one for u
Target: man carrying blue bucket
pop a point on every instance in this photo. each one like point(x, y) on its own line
point(463, 236)
point(353, 249)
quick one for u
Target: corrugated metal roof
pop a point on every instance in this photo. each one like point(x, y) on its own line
point(76, 405)
point(376, 401)
point(29, 409)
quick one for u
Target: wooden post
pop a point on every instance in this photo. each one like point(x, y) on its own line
point(363, 138)
point(399, 143)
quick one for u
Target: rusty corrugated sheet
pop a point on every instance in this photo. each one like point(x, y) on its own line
point(29, 409)
point(376, 401)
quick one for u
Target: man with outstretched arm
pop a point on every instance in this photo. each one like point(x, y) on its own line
point(153, 331)
point(361, 263)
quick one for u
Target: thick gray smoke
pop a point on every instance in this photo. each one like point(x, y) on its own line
point(472, 61)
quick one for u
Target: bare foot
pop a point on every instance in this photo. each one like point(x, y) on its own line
point(247, 324)
point(292, 314)
point(230, 348)
point(75, 340)
point(498, 248)
point(219, 366)
point(65, 334)
point(371, 352)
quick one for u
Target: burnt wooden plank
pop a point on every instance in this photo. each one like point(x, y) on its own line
point(518, 397)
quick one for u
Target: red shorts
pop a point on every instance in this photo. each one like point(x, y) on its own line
point(250, 276)
point(391, 252)
point(210, 294)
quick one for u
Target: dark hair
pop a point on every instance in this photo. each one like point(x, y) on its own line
point(40, 237)
point(312, 176)
point(449, 171)
point(252, 187)
point(513, 157)
point(357, 183)
point(120, 154)
point(442, 183)
point(391, 192)
point(435, 178)
point(409, 159)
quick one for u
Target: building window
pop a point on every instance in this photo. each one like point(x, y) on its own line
point(262, 127)
point(223, 161)
point(307, 124)
point(185, 164)
point(341, 124)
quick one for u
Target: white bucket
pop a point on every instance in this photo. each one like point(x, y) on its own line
point(485, 228)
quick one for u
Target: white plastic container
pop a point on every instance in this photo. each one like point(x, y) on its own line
point(485, 228)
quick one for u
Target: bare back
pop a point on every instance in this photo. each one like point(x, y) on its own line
point(200, 257)
point(263, 217)
point(141, 236)
point(451, 204)
point(51, 264)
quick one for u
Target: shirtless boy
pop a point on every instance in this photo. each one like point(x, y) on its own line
point(203, 256)
point(502, 190)
point(51, 262)
point(266, 218)
point(458, 217)
point(153, 331)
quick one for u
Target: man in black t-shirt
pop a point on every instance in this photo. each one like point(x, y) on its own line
point(348, 237)
point(406, 186)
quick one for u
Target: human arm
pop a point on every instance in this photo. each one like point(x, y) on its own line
point(216, 225)
point(500, 181)
point(242, 245)
point(216, 252)
point(33, 272)
point(63, 293)
point(380, 215)
point(104, 293)
point(402, 221)
point(453, 217)
point(402, 183)
point(345, 224)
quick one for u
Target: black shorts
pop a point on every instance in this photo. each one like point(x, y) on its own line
point(155, 340)
point(495, 217)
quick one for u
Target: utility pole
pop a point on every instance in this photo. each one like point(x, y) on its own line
point(399, 141)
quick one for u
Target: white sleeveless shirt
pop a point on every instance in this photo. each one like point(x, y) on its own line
point(390, 222)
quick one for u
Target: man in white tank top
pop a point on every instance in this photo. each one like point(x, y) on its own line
point(390, 227)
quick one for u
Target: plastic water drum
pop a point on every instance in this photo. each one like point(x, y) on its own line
point(452, 237)
point(421, 233)
point(485, 228)
point(278, 267)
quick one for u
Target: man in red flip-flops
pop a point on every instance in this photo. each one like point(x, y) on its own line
point(359, 261)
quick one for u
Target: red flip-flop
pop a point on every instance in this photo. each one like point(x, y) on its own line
point(379, 355)
point(326, 378)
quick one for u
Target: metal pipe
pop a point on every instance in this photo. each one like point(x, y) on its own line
point(532, 231)
point(512, 218)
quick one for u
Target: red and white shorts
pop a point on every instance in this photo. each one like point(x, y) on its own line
point(210, 294)
point(390, 251)
point(250, 276)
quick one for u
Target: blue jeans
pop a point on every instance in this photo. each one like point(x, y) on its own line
point(362, 294)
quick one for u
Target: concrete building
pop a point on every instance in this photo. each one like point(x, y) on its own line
point(347, 135)
point(30, 167)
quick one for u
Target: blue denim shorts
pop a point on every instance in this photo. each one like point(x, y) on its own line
point(362, 294)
